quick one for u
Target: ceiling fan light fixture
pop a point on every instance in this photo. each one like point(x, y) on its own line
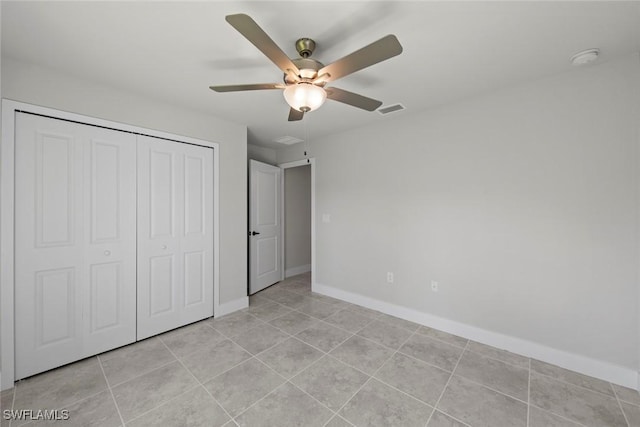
point(304, 96)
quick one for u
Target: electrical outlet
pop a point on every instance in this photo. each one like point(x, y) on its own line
point(389, 277)
point(434, 286)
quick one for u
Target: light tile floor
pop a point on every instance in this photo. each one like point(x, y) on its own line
point(295, 358)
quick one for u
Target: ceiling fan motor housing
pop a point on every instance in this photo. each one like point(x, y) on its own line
point(308, 69)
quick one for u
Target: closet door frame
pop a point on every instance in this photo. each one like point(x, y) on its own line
point(7, 214)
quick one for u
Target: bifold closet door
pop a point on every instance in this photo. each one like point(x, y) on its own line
point(75, 245)
point(175, 235)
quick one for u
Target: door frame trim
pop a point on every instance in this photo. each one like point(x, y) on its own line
point(7, 207)
point(312, 162)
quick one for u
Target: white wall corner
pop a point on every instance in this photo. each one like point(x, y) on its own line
point(231, 306)
point(596, 368)
point(294, 271)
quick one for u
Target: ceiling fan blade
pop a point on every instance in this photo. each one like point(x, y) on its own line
point(353, 99)
point(237, 88)
point(383, 49)
point(295, 115)
point(252, 32)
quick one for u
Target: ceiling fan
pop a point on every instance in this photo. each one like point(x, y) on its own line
point(305, 78)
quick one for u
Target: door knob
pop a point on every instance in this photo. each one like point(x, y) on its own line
point(164, 246)
point(107, 253)
point(253, 233)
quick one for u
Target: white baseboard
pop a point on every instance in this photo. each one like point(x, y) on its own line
point(596, 368)
point(231, 306)
point(294, 271)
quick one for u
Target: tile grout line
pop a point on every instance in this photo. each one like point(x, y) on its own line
point(261, 399)
point(381, 319)
point(162, 403)
point(198, 381)
point(338, 416)
point(529, 394)
point(495, 359)
point(492, 389)
point(378, 379)
point(622, 400)
point(372, 376)
point(333, 357)
point(560, 416)
point(576, 385)
point(143, 373)
point(408, 355)
point(32, 422)
point(450, 416)
point(277, 373)
point(448, 381)
point(13, 402)
point(395, 351)
point(624, 415)
point(371, 320)
point(287, 380)
point(327, 352)
point(513, 365)
point(109, 387)
point(110, 391)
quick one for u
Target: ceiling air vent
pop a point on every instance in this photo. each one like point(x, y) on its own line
point(391, 109)
point(287, 140)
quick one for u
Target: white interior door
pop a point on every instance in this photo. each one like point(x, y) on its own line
point(175, 235)
point(75, 272)
point(264, 226)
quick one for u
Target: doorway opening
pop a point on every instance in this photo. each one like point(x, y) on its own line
point(281, 222)
point(297, 210)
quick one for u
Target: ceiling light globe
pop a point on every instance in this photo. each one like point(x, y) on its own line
point(305, 97)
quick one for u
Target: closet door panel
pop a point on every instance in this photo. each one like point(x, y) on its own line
point(197, 237)
point(175, 235)
point(75, 251)
point(48, 244)
point(110, 241)
point(160, 264)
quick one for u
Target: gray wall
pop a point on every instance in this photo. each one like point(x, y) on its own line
point(45, 87)
point(297, 211)
point(261, 154)
point(522, 203)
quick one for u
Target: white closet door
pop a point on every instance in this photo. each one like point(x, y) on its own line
point(175, 235)
point(74, 242)
point(110, 240)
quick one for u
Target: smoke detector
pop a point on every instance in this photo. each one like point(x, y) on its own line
point(585, 57)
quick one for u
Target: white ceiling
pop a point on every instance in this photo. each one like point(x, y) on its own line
point(173, 51)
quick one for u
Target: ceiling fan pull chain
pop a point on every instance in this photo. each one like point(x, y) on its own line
point(306, 138)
